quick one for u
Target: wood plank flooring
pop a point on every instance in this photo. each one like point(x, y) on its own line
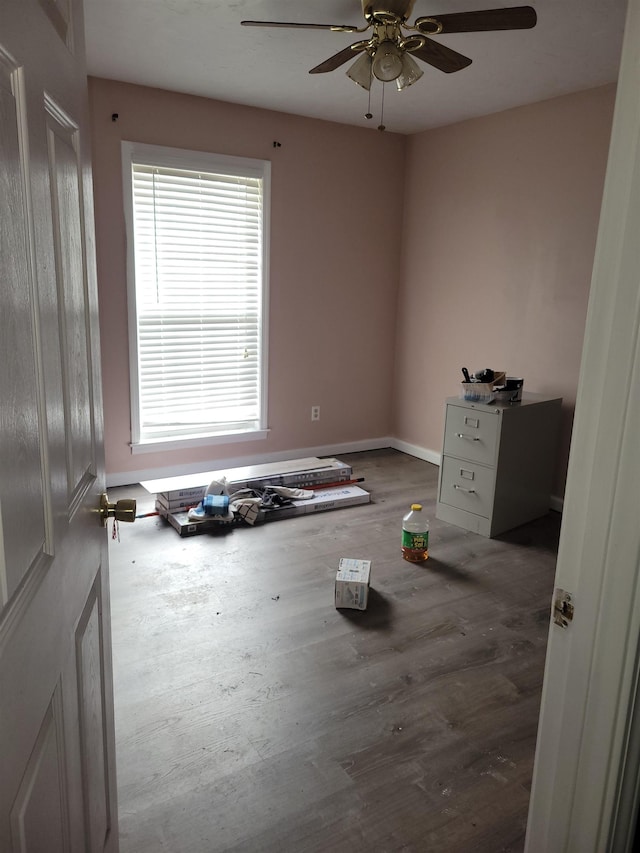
point(253, 716)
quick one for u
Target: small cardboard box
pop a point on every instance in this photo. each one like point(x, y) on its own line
point(352, 583)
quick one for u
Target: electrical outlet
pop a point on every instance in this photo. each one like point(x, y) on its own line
point(315, 413)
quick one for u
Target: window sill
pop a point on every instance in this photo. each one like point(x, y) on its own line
point(162, 444)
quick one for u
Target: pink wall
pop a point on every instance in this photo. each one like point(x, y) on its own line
point(496, 219)
point(335, 236)
point(501, 217)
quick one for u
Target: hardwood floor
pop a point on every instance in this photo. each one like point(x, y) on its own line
point(251, 715)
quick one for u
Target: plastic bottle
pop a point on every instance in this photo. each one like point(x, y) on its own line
point(415, 535)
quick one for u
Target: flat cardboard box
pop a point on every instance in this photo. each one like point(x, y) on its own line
point(177, 504)
point(323, 500)
point(352, 583)
point(181, 522)
point(327, 499)
point(189, 496)
point(290, 472)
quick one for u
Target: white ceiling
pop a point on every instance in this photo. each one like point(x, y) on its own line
point(199, 47)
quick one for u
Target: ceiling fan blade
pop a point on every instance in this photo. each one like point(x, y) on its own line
point(340, 28)
point(337, 59)
point(441, 57)
point(486, 20)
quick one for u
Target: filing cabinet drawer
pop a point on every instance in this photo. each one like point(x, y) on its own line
point(471, 434)
point(467, 486)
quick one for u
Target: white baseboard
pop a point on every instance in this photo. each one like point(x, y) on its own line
point(556, 503)
point(128, 478)
point(432, 456)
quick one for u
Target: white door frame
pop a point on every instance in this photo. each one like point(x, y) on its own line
point(592, 667)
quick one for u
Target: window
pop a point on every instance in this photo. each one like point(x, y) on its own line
point(197, 235)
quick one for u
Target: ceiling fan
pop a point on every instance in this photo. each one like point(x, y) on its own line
point(388, 54)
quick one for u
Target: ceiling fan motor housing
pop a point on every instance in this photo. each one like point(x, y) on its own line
point(400, 9)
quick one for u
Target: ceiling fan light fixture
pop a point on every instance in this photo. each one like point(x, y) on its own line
point(387, 62)
point(411, 72)
point(360, 71)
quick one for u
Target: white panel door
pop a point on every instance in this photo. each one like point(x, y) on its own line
point(57, 773)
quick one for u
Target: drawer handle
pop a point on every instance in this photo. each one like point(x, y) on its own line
point(468, 437)
point(462, 489)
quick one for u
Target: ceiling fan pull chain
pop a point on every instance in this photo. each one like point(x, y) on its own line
point(368, 113)
point(381, 125)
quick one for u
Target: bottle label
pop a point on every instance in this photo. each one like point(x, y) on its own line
point(418, 541)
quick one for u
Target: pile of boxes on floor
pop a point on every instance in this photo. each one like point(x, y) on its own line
point(329, 485)
point(199, 503)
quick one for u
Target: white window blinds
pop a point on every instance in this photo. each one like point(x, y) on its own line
point(198, 248)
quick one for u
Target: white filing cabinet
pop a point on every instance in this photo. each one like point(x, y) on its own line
point(498, 461)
